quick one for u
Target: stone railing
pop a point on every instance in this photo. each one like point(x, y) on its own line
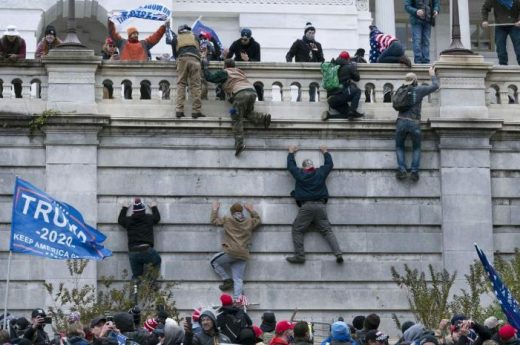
point(27, 79)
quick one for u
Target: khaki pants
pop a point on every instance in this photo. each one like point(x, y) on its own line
point(244, 104)
point(188, 73)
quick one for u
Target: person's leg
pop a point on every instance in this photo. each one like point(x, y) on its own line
point(220, 263)
point(238, 268)
point(355, 95)
point(515, 38)
point(415, 134)
point(301, 223)
point(322, 224)
point(136, 265)
point(182, 77)
point(392, 54)
point(339, 103)
point(417, 42)
point(194, 73)
point(241, 106)
point(400, 137)
point(425, 47)
point(501, 44)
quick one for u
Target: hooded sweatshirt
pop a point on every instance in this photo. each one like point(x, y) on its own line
point(203, 338)
point(173, 333)
point(339, 335)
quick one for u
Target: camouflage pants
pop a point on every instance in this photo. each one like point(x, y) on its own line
point(188, 74)
point(244, 104)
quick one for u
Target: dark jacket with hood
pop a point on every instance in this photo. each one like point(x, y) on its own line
point(37, 336)
point(302, 52)
point(16, 47)
point(310, 185)
point(125, 323)
point(203, 338)
point(238, 313)
point(139, 226)
point(252, 49)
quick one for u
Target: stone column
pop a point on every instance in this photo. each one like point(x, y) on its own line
point(465, 191)
point(385, 16)
point(71, 176)
point(72, 78)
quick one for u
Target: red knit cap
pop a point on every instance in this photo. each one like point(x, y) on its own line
point(283, 326)
point(150, 325)
point(195, 316)
point(258, 331)
point(226, 299)
point(506, 332)
point(131, 30)
point(344, 55)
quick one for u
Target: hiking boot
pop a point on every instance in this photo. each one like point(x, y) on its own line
point(296, 259)
point(339, 258)
point(325, 116)
point(414, 176)
point(405, 61)
point(197, 115)
point(227, 285)
point(400, 175)
point(267, 120)
point(354, 114)
point(239, 149)
point(179, 114)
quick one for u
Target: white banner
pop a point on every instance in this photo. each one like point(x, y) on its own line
point(148, 12)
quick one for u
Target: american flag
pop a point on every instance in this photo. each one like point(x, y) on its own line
point(505, 298)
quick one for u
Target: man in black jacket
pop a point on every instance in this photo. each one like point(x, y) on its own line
point(139, 227)
point(35, 333)
point(348, 92)
point(245, 48)
point(311, 195)
point(210, 334)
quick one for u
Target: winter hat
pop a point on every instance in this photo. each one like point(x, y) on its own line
point(457, 317)
point(283, 326)
point(506, 332)
point(50, 30)
point(124, 322)
point(409, 79)
point(308, 26)
point(131, 30)
point(150, 325)
point(268, 322)
point(11, 31)
point(226, 299)
point(492, 322)
point(358, 321)
point(195, 316)
point(183, 28)
point(100, 320)
point(360, 52)
point(258, 331)
point(246, 32)
point(138, 205)
point(340, 332)
point(236, 208)
point(38, 312)
point(344, 55)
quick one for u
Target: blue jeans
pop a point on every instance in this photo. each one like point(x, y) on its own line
point(222, 263)
point(421, 33)
point(402, 130)
point(391, 54)
point(501, 33)
point(139, 259)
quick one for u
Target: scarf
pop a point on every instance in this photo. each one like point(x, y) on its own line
point(309, 170)
point(506, 3)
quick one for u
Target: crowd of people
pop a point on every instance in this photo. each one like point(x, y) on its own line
point(229, 323)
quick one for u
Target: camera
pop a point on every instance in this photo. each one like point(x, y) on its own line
point(47, 319)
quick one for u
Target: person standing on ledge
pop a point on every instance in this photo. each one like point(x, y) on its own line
point(311, 195)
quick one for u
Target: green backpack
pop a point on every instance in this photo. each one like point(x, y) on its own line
point(329, 71)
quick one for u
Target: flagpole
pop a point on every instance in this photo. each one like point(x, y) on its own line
point(7, 288)
point(195, 22)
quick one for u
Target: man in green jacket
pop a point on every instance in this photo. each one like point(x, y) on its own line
point(242, 94)
point(238, 231)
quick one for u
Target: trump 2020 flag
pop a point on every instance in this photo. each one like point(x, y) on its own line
point(44, 226)
point(198, 27)
point(505, 298)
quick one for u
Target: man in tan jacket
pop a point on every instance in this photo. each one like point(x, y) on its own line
point(238, 231)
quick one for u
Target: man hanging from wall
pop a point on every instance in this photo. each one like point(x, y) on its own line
point(311, 195)
point(507, 21)
point(422, 19)
point(242, 94)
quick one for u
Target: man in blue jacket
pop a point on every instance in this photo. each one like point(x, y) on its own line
point(311, 195)
point(422, 19)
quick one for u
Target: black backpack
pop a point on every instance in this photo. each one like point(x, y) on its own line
point(404, 98)
point(232, 326)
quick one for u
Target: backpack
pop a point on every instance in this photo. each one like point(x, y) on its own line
point(329, 71)
point(404, 98)
point(232, 326)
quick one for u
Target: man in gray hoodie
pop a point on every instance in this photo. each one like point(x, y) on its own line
point(409, 124)
point(210, 334)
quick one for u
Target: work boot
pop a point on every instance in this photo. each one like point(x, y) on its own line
point(325, 116)
point(414, 176)
point(405, 61)
point(296, 259)
point(197, 115)
point(239, 149)
point(227, 285)
point(179, 114)
point(267, 120)
point(339, 258)
point(400, 175)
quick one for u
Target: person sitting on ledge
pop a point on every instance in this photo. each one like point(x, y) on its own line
point(385, 48)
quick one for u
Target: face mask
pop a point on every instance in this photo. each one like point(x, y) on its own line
point(238, 216)
point(310, 35)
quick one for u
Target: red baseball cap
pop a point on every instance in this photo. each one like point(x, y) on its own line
point(506, 332)
point(283, 326)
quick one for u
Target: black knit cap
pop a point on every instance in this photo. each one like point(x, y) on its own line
point(50, 30)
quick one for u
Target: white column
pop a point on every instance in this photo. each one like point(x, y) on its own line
point(465, 34)
point(385, 16)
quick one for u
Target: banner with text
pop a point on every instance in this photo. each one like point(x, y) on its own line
point(148, 12)
point(44, 226)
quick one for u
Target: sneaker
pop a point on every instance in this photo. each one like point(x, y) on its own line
point(400, 175)
point(354, 114)
point(179, 114)
point(197, 115)
point(239, 149)
point(295, 259)
point(325, 116)
point(339, 259)
point(226, 285)
point(405, 61)
point(267, 120)
point(414, 176)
